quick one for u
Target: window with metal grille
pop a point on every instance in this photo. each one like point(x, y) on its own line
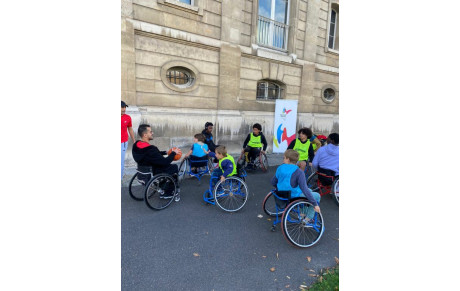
point(180, 77)
point(269, 91)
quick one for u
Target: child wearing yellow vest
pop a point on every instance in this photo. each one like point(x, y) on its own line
point(304, 147)
point(227, 165)
point(252, 145)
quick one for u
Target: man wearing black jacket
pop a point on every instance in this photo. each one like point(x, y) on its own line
point(146, 154)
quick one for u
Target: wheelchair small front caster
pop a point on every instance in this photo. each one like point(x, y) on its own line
point(273, 228)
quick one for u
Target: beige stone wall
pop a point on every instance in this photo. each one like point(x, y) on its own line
point(153, 53)
point(218, 38)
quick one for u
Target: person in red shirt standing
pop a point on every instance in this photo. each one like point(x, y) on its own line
point(126, 126)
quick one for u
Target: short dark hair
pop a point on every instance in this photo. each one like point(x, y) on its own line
point(200, 137)
point(142, 129)
point(334, 137)
point(208, 124)
point(258, 126)
point(306, 131)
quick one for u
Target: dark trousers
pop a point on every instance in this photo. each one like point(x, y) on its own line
point(253, 153)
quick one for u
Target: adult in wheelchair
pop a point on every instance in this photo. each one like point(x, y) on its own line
point(227, 186)
point(156, 180)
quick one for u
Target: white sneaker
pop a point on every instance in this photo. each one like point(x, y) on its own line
point(177, 196)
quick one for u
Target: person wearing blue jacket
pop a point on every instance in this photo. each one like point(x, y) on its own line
point(327, 157)
point(289, 177)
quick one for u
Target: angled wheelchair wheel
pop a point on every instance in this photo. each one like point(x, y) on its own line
point(335, 191)
point(231, 195)
point(301, 225)
point(210, 166)
point(269, 205)
point(160, 191)
point(312, 182)
point(136, 188)
point(183, 169)
point(263, 162)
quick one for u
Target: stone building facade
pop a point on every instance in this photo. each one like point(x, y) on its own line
point(226, 61)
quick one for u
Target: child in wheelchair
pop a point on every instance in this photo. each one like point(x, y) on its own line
point(227, 166)
point(253, 144)
point(198, 152)
point(290, 182)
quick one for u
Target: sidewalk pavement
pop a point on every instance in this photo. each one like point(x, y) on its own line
point(130, 167)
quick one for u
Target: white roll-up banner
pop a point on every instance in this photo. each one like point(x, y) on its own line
point(285, 124)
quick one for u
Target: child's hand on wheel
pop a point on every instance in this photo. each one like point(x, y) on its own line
point(222, 178)
point(317, 209)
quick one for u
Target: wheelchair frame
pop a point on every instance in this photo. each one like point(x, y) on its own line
point(294, 220)
point(228, 190)
point(314, 183)
point(258, 162)
point(152, 190)
point(186, 168)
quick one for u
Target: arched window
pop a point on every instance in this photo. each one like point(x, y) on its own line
point(269, 90)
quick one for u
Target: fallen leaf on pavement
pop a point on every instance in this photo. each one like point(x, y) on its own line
point(312, 270)
point(287, 286)
point(264, 257)
point(308, 259)
point(269, 219)
point(277, 256)
point(196, 254)
point(302, 286)
point(272, 269)
point(260, 216)
point(336, 260)
point(312, 275)
point(288, 277)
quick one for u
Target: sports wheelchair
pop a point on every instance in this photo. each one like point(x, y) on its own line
point(231, 194)
point(301, 225)
point(186, 165)
point(158, 191)
point(260, 162)
point(324, 182)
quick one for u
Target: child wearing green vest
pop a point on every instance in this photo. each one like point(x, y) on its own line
point(227, 165)
point(304, 147)
point(253, 144)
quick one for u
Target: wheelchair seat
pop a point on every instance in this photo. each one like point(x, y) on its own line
point(326, 176)
point(145, 173)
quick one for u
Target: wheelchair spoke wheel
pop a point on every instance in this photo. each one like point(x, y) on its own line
point(136, 188)
point(231, 195)
point(269, 205)
point(301, 225)
point(335, 191)
point(312, 182)
point(183, 168)
point(160, 191)
point(263, 162)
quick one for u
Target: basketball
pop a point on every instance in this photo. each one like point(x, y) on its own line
point(177, 151)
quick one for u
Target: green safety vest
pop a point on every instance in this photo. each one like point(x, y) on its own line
point(228, 157)
point(302, 149)
point(255, 141)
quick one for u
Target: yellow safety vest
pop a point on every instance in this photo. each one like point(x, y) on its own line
point(228, 157)
point(302, 149)
point(255, 141)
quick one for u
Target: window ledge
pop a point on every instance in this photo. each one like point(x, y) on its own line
point(183, 6)
point(272, 54)
point(332, 51)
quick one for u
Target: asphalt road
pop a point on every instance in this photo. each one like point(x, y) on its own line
point(193, 246)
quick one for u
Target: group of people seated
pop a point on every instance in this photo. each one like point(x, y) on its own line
point(289, 176)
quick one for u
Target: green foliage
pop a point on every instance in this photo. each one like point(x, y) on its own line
point(328, 281)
